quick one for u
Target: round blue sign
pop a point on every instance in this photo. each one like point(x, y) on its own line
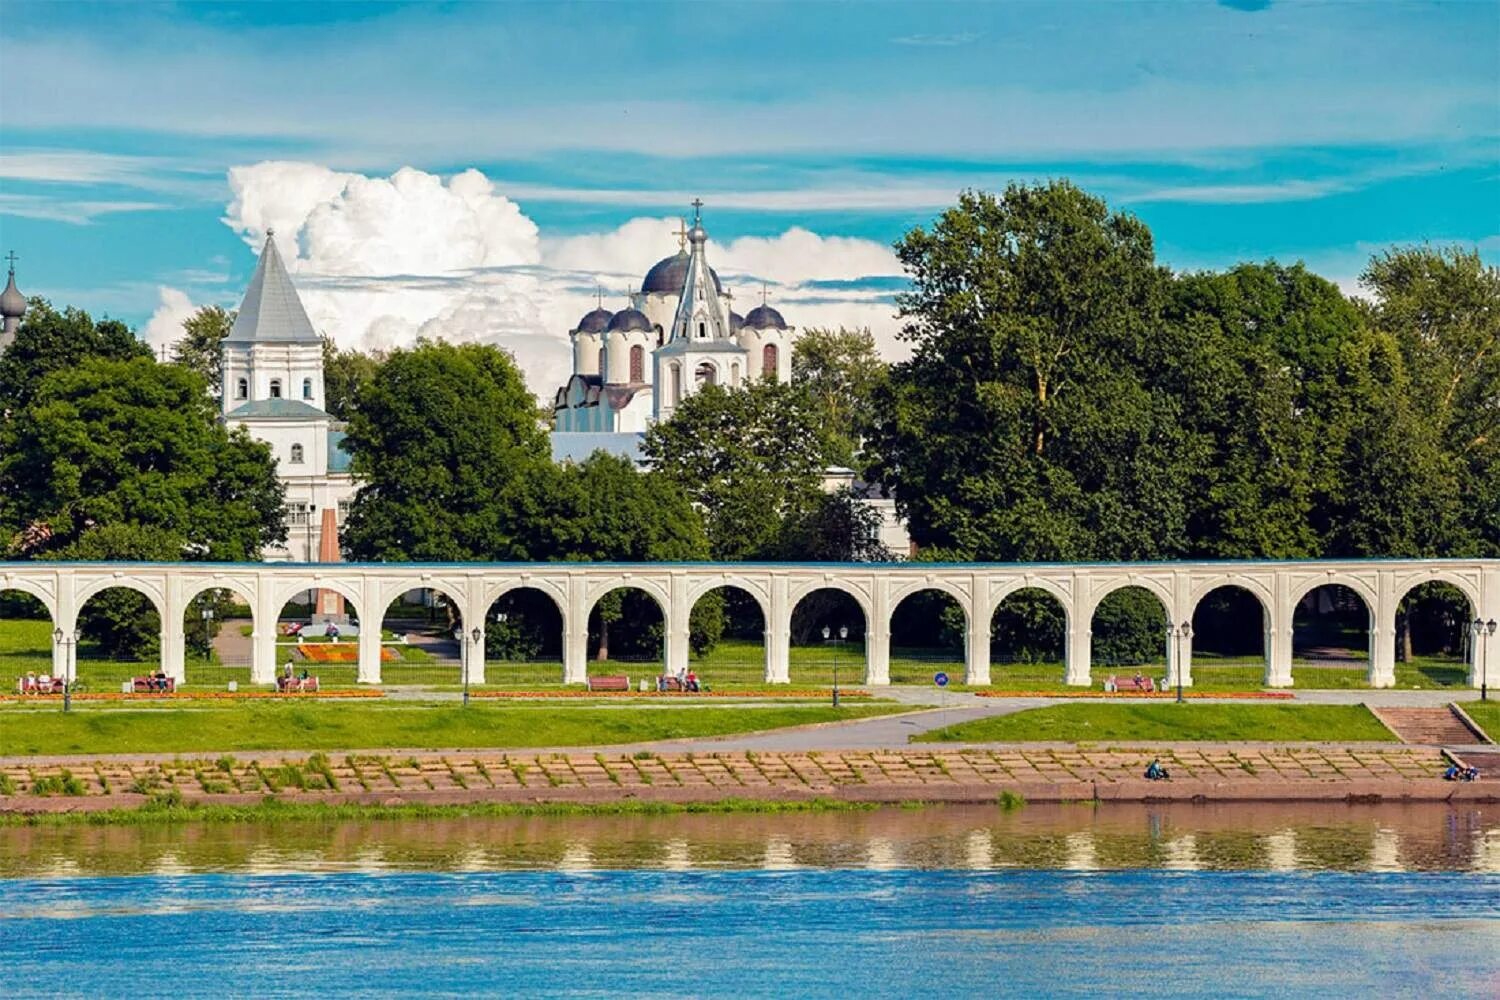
point(940, 679)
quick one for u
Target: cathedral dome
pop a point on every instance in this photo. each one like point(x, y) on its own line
point(12, 302)
point(735, 321)
point(765, 318)
point(594, 322)
point(669, 274)
point(629, 321)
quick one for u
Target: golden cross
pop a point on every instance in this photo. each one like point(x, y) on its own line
point(681, 233)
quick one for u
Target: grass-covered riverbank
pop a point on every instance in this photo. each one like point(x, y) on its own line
point(201, 727)
point(1093, 722)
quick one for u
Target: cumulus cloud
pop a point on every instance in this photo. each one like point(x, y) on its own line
point(165, 326)
point(381, 261)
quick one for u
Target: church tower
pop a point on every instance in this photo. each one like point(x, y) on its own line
point(12, 306)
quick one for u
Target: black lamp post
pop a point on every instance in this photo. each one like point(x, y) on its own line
point(827, 637)
point(476, 634)
point(208, 638)
point(58, 636)
point(1482, 631)
point(1177, 633)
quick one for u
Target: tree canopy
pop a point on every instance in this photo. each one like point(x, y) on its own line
point(840, 371)
point(201, 347)
point(49, 341)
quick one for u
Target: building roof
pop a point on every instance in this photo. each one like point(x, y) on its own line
point(763, 317)
point(276, 409)
point(594, 322)
point(339, 460)
point(629, 321)
point(700, 300)
point(667, 275)
point(575, 446)
point(12, 302)
point(272, 312)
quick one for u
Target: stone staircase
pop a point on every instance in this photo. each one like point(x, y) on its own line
point(1430, 726)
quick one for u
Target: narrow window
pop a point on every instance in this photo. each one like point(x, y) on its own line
point(768, 360)
point(702, 330)
point(637, 363)
point(307, 388)
point(296, 454)
point(601, 361)
point(276, 388)
point(242, 389)
point(676, 385)
point(734, 374)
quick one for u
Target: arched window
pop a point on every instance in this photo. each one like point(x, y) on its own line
point(676, 384)
point(242, 389)
point(296, 454)
point(601, 362)
point(307, 388)
point(702, 329)
point(734, 374)
point(706, 374)
point(637, 363)
point(768, 359)
point(276, 388)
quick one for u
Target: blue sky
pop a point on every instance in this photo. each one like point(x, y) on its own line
point(1238, 131)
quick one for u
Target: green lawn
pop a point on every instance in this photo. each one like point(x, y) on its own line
point(1092, 723)
point(311, 725)
point(1486, 714)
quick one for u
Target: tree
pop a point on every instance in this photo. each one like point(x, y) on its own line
point(201, 347)
point(748, 458)
point(840, 371)
point(1442, 307)
point(133, 444)
point(48, 341)
point(345, 372)
point(833, 527)
point(1025, 427)
point(445, 441)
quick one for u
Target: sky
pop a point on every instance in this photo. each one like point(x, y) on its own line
point(487, 171)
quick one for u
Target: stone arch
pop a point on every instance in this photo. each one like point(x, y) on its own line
point(1061, 593)
point(1430, 646)
point(845, 661)
point(1354, 583)
point(1129, 636)
point(436, 656)
point(1156, 588)
point(752, 587)
point(236, 654)
point(733, 632)
point(924, 636)
point(1319, 639)
point(801, 590)
point(284, 595)
point(148, 651)
point(522, 648)
point(635, 614)
point(96, 587)
point(494, 592)
point(1221, 661)
point(30, 589)
point(1411, 581)
point(1250, 585)
point(1027, 647)
point(32, 649)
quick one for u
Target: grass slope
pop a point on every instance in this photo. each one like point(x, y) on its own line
point(356, 726)
point(1486, 714)
point(1091, 723)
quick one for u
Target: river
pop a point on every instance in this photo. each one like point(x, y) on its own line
point(945, 901)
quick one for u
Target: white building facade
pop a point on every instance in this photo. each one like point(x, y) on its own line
point(273, 388)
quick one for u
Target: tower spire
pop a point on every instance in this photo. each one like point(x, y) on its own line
point(12, 305)
point(700, 313)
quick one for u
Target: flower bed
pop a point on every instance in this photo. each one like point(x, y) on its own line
point(580, 693)
point(197, 695)
point(1231, 695)
point(339, 652)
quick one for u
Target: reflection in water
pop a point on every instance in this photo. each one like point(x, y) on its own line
point(1077, 838)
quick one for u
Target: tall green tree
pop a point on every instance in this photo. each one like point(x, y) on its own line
point(201, 347)
point(48, 341)
point(748, 458)
point(1024, 427)
point(135, 444)
point(1442, 307)
point(345, 372)
point(445, 440)
point(840, 371)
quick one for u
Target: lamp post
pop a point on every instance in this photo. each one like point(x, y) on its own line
point(60, 637)
point(1482, 631)
point(828, 637)
point(208, 638)
point(1177, 633)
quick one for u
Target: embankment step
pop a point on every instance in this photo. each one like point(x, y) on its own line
point(1441, 726)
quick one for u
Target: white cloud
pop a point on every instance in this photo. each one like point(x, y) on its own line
point(165, 325)
point(380, 261)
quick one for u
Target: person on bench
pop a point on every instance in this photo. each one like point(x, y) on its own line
point(690, 683)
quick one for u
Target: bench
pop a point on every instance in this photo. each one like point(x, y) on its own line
point(609, 682)
point(665, 683)
point(153, 685)
point(39, 685)
point(295, 685)
point(1131, 684)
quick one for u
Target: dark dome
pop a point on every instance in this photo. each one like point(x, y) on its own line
point(595, 322)
point(735, 321)
point(765, 318)
point(629, 321)
point(667, 277)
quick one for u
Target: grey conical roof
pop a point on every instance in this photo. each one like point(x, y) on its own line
point(271, 310)
point(12, 302)
point(700, 292)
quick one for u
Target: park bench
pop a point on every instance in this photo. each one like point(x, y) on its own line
point(39, 685)
point(294, 685)
point(609, 682)
point(153, 685)
point(666, 683)
point(1131, 684)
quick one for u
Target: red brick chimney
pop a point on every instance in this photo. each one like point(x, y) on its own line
point(330, 602)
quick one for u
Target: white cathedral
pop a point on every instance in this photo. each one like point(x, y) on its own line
point(633, 367)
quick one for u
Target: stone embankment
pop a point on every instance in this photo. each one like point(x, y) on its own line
point(1038, 773)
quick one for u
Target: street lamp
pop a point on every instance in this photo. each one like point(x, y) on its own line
point(1482, 631)
point(208, 639)
point(67, 679)
point(827, 637)
point(1177, 633)
point(476, 634)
